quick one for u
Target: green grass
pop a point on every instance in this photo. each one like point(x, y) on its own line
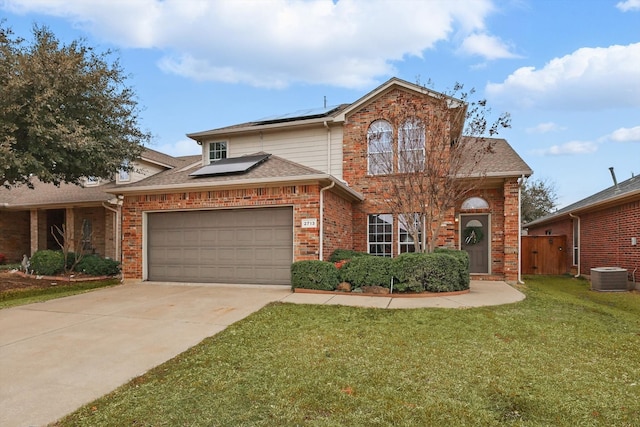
point(17, 297)
point(565, 356)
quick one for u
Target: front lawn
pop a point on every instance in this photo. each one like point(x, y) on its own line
point(565, 356)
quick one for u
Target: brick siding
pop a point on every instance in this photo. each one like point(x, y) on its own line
point(305, 200)
point(14, 239)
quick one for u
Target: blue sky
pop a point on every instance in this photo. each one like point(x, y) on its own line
point(568, 72)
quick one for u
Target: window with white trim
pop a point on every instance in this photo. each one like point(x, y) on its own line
point(411, 146)
point(217, 151)
point(407, 226)
point(124, 173)
point(380, 234)
point(380, 147)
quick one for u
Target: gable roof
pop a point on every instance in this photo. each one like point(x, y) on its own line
point(501, 162)
point(319, 115)
point(273, 170)
point(615, 194)
point(52, 196)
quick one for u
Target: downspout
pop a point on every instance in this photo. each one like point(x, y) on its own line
point(520, 184)
point(579, 248)
point(117, 227)
point(322, 190)
point(328, 147)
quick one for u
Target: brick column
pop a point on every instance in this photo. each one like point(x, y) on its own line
point(511, 229)
point(33, 231)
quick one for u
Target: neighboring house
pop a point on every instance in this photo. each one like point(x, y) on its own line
point(297, 187)
point(603, 230)
point(90, 214)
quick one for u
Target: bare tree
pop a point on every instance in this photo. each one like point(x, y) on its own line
point(430, 150)
point(64, 238)
point(539, 198)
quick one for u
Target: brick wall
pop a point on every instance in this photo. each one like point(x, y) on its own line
point(605, 237)
point(14, 239)
point(305, 200)
point(338, 221)
point(503, 198)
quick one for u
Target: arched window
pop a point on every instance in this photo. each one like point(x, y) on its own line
point(380, 147)
point(411, 146)
point(474, 203)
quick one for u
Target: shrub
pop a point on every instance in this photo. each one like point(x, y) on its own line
point(367, 270)
point(435, 272)
point(314, 275)
point(94, 265)
point(345, 254)
point(463, 258)
point(47, 262)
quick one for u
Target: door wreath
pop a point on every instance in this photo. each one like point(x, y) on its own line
point(472, 235)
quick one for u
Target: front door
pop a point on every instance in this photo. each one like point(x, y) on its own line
point(474, 238)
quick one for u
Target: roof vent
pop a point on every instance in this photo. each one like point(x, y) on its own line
point(613, 176)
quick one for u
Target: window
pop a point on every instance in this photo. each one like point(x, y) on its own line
point(380, 147)
point(124, 173)
point(217, 151)
point(411, 146)
point(474, 203)
point(87, 232)
point(91, 180)
point(407, 225)
point(380, 234)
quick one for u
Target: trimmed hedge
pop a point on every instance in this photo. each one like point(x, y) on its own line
point(312, 274)
point(439, 271)
point(345, 254)
point(47, 262)
point(444, 270)
point(367, 270)
point(94, 265)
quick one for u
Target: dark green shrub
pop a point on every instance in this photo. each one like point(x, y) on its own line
point(47, 262)
point(94, 265)
point(463, 258)
point(343, 254)
point(71, 260)
point(367, 270)
point(313, 274)
point(440, 271)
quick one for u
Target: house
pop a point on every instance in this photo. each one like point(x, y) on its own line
point(298, 186)
point(89, 214)
point(603, 230)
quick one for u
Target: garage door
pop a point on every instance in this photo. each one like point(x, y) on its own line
point(253, 246)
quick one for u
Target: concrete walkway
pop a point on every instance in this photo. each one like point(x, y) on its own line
point(482, 293)
point(58, 355)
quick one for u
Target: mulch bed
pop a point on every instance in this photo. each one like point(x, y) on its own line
point(10, 280)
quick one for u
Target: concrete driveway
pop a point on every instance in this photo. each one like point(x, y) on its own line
point(58, 355)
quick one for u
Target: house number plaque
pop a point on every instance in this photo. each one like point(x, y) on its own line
point(310, 223)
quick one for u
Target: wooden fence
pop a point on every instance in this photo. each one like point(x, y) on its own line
point(544, 254)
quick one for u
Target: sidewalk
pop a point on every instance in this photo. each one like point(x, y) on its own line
point(482, 293)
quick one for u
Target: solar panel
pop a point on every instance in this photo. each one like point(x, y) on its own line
point(231, 165)
point(308, 113)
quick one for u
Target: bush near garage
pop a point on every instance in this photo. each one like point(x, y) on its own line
point(444, 270)
point(47, 262)
point(345, 255)
point(314, 274)
point(95, 265)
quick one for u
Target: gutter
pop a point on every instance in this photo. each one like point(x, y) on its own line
point(520, 183)
point(200, 185)
point(322, 190)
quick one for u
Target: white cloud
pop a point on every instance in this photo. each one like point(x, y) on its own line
point(625, 135)
point(587, 79)
point(273, 43)
point(544, 128)
point(487, 46)
point(572, 147)
point(628, 5)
